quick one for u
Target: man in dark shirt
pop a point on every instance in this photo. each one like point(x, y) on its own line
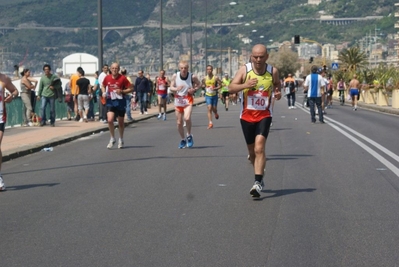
point(142, 87)
point(83, 89)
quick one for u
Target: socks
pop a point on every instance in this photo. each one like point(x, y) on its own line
point(258, 177)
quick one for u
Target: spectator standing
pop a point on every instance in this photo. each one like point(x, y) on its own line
point(72, 83)
point(102, 109)
point(142, 88)
point(128, 98)
point(27, 84)
point(84, 90)
point(69, 101)
point(46, 95)
point(151, 91)
point(315, 85)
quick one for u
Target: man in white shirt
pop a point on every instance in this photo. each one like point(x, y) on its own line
point(315, 85)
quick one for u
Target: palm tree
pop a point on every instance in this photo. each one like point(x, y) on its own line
point(353, 59)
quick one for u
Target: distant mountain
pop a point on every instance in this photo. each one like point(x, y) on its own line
point(273, 19)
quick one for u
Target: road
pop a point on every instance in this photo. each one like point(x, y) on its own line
point(330, 197)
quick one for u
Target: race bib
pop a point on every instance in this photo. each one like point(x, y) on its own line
point(209, 90)
point(181, 101)
point(161, 87)
point(257, 102)
point(114, 96)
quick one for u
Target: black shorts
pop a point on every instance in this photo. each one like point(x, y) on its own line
point(2, 127)
point(118, 112)
point(225, 94)
point(251, 130)
point(330, 92)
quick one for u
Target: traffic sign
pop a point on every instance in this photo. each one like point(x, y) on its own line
point(334, 66)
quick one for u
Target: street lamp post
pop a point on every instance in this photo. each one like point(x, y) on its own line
point(161, 40)
point(100, 33)
point(191, 35)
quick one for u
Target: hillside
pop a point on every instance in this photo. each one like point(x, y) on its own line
point(274, 19)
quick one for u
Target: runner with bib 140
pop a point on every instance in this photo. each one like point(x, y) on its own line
point(258, 81)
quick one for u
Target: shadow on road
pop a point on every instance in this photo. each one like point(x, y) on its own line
point(29, 186)
point(283, 192)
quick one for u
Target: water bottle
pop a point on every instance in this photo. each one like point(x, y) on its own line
point(48, 149)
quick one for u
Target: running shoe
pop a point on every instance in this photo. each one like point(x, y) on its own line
point(111, 143)
point(159, 116)
point(216, 116)
point(190, 141)
point(210, 126)
point(120, 144)
point(164, 116)
point(2, 185)
point(182, 144)
point(256, 189)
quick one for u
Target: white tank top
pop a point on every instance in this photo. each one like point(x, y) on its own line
point(2, 114)
point(187, 83)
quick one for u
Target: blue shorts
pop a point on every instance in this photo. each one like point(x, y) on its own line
point(163, 96)
point(211, 100)
point(354, 91)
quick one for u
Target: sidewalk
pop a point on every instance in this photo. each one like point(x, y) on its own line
point(21, 141)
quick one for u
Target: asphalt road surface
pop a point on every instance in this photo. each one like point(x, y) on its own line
point(331, 196)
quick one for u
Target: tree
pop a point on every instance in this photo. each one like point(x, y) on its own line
point(353, 59)
point(286, 61)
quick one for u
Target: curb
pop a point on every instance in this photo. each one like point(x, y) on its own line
point(66, 139)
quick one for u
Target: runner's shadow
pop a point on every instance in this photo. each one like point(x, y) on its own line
point(203, 147)
point(283, 192)
point(29, 186)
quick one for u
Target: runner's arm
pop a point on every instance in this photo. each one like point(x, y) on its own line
point(238, 83)
point(12, 89)
point(276, 84)
point(196, 84)
point(173, 84)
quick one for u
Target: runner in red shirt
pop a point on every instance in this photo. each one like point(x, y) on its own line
point(114, 86)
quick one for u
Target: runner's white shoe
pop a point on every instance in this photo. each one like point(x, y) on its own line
point(120, 143)
point(111, 143)
point(2, 185)
point(256, 189)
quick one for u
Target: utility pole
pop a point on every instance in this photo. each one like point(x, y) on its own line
point(100, 34)
point(161, 40)
point(191, 35)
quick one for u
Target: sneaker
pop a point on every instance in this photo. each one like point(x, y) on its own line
point(141, 113)
point(81, 120)
point(30, 124)
point(2, 185)
point(111, 143)
point(164, 117)
point(145, 112)
point(256, 189)
point(190, 141)
point(120, 144)
point(182, 144)
point(159, 116)
point(289, 107)
point(227, 109)
point(129, 120)
point(210, 126)
point(216, 116)
point(293, 107)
